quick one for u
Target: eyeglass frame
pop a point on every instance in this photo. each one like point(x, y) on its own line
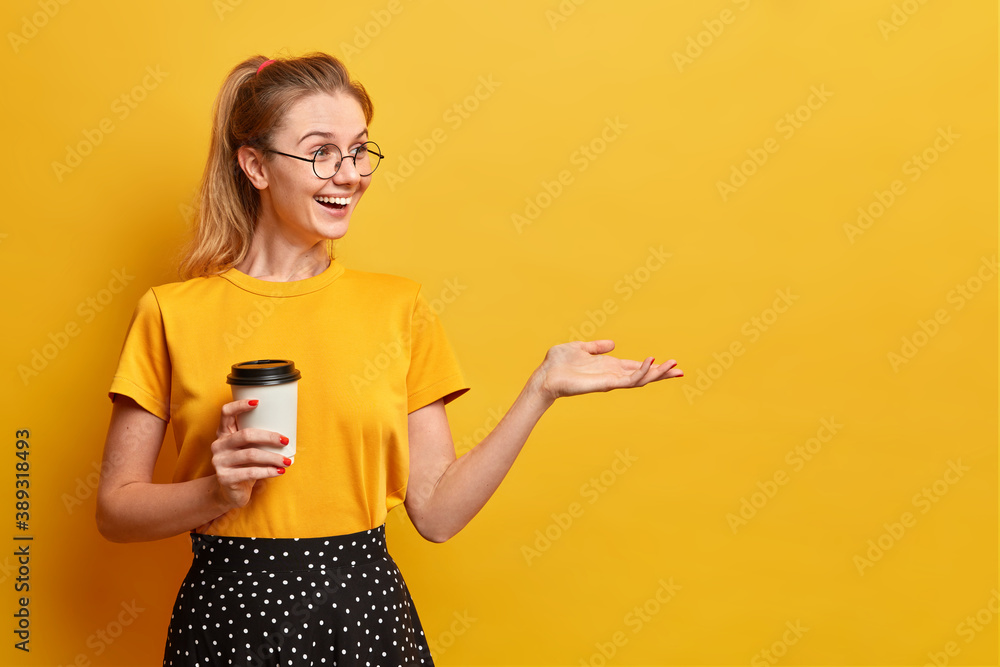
point(352, 156)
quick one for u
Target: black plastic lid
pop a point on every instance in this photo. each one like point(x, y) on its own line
point(263, 372)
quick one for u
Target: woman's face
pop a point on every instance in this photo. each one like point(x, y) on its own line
point(291, 189)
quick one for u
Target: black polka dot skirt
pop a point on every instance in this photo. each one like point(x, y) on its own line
point(254, 601)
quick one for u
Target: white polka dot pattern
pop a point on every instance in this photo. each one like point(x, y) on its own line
point(258, 602)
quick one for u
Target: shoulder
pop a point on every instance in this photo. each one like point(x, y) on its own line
point(157, 300)
point(193, 287)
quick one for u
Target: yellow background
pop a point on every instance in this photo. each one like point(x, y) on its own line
point(560, 72)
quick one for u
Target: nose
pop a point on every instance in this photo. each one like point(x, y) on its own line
point(348, 172)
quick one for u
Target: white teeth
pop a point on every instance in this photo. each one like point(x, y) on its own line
point(343, 201)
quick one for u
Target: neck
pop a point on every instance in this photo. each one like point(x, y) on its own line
point(277, 258)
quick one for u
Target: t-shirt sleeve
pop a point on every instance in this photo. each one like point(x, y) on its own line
point(434, 370)
point(143, 372)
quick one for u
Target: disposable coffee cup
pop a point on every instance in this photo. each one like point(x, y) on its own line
point(275, 383)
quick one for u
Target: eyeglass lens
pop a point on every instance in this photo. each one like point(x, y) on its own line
point(329, 161)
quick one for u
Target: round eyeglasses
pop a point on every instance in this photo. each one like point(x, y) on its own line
point(326, 159)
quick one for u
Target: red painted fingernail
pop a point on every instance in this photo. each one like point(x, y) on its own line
point(287, 461)
point(281, 471)
point(653, 361)
point(253, 401)
point(284, 440)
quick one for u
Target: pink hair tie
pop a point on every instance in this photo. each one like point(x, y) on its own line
point(263, 65)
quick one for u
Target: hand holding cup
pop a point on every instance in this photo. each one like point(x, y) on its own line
point(237, 457)
point(257, 430)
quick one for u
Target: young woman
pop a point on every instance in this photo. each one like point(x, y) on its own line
point(290, 564)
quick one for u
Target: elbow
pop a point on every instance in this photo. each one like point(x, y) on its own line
point(112, 536)
point(429, 522)
point(433, 533)
point(437, 537)
point(105, 524)
point(104, 528)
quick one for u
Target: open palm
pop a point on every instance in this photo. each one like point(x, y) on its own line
point(581, 367)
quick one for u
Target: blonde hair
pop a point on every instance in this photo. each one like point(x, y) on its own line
point(249, 107)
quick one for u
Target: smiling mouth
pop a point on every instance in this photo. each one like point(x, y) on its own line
point(333, 203)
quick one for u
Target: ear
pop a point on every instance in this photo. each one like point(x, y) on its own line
point(252, 163)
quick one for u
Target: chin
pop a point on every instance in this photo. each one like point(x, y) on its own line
point(331, 231)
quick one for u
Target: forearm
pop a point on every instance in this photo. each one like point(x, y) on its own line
point(143, 511)
point(469, 482)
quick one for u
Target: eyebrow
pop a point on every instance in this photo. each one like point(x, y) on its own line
point(327, 135)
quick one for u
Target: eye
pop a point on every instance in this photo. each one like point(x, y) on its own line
point(361, 151)
point(323, 152)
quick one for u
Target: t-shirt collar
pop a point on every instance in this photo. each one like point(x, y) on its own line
point(284, 288)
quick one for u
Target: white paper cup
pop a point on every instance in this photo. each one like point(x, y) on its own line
point(275, 383)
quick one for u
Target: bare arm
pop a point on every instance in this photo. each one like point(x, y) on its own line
point(131, 508)
point(444, 493)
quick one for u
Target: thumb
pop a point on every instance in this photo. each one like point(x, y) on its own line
point(599, 346)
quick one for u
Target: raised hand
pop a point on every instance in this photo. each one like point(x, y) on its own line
point(582, 367)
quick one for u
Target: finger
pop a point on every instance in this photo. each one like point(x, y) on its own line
point(233, 476)
point(252, 456)
point(631, 364)
point(258, 436)
point(249, 457)
point(663, 371)
point(638, 378)
point(248, 437)
point(233, 408)
point(672, 373)
point(641, 371)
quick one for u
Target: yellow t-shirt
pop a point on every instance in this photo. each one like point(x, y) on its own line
point(370, 349)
